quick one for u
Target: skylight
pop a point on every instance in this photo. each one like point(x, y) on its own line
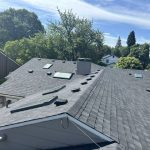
point(47, 66)
point(138, 75)
point(62, 75)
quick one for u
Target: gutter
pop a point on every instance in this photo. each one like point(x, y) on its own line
point(55, 117)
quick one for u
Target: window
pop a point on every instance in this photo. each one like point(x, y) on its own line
point(62, 75)
point(47, 66)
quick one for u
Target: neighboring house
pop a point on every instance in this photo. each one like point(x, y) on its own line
point(109, 59)
point(75, 106)
point(7, 65)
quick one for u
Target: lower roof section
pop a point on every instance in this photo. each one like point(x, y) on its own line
point(61, 131)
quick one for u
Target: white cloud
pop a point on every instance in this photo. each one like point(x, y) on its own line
point(112, 40)
point(90, 11)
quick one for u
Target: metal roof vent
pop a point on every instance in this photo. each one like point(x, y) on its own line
point(88, 79)
point(30, 71)
point(75, 90)
point(3, 137)
point(34, 105)
point(83, 83)
point(84, 66)
point(7, 103)
point(92, 76)
point(60, 102)
point(49, 73)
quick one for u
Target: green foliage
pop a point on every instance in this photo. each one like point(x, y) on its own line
point(148, 67)
point(116, 52)
point(141, 52)
point(74, 37)
point(118, 44)
point(129, 63)
point(124, 51)
point(27, 48)
point(131, 40)
point(16, 24)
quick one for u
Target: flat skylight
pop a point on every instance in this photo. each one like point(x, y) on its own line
point(62, 75)
point(47, 66)
point(136, 75)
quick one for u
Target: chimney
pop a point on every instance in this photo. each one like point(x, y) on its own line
point(84, 66)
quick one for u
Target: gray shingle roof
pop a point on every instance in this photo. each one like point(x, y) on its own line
point(22, 83)
point(113, 103)
point(118, 106)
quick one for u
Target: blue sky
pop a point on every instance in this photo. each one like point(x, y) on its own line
point(113, 17)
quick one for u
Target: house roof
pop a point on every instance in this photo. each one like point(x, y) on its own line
point(107, 56)
point(114, 103)
point(22, 83)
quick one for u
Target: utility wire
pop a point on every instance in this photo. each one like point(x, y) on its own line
point(86, 135)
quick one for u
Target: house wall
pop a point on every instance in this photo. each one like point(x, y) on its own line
point(6, 65)
point(110, 60)
point(46, 135)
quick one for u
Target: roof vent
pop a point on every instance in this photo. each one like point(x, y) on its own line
point(30, 71)
point(98, 69)
point(34, 105)
point(75, 90)
point(63, 61)
point(92, 76)
point(74, 62)
point(3, 137)
point(130, 74)
point(7, 103)
point(83, 83)
point(59, 102)
point(148, 90)
point(89, 79)
point(39, 58)
point(49, 73)
point(84, 66)
point(54, 90)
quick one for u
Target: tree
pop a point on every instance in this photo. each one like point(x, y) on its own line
point(75, 37)
point(141, 52)
point(131, 39)
point(124, 51)
point(16, 24)
point(116, 52)
point(129, 63)
point(118, 44)
point(27, 48)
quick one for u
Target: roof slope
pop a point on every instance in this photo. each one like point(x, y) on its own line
point(22, 83)
point(117, 105)
point(114, 103)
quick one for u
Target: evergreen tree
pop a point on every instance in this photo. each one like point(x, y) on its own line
point(131, 39)
point(118, 44)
